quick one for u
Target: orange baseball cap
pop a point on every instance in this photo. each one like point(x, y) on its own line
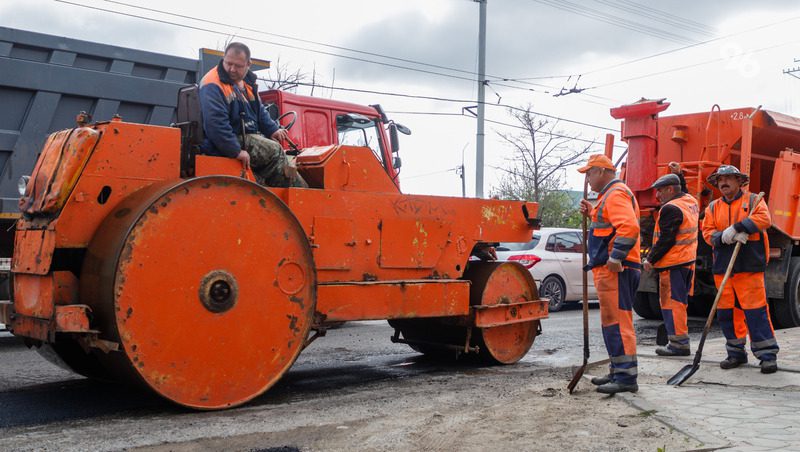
point(597, 161)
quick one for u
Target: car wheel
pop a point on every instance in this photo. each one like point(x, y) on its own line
point(553, 288)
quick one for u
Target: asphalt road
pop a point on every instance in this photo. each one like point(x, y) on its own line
point(34, 392)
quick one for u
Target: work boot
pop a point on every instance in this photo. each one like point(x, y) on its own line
point(769, 367)
point(599, 381)
point(615, 387)
point(666, 351)
point(730, 363)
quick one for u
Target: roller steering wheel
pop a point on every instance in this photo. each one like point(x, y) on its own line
point(291, 123)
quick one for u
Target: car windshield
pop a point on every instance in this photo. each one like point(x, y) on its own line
point(509, 246)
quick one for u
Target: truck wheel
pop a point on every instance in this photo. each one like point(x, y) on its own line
point(208, 286)
point(787, 311)
point(646, 305)
point(553, 289)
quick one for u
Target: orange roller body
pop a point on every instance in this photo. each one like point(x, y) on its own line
point(136, 263)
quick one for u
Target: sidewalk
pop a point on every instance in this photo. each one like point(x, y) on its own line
point(739, 409)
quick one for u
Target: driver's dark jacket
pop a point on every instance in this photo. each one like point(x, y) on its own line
point(222, 104)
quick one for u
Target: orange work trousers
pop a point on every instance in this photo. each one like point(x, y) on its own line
point(674, 287)
point(616, 292)
point(743, 308)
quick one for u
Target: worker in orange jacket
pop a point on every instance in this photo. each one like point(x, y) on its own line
point(743, 304)
point(673, 256)
point(613, 251)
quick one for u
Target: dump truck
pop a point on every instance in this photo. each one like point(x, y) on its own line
point(761, 143)
point(138, 260)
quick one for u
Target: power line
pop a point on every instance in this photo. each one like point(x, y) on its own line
point(431, 174)
point(689, 66)
point(515, 126)
point(443, 99)
point(665, 14)
point(677, 49)
point(613, 20)
point(658, 16)
point(290, 46)
point(363, 52)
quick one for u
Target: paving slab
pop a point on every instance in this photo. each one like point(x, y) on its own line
point(738, 409)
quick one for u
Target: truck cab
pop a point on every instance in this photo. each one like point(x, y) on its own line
point(314, 121)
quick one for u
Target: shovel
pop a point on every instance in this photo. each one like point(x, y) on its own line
point(579, 372)
point(689, 370)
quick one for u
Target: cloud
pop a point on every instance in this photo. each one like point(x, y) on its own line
point(526, 38)
point(86, 24)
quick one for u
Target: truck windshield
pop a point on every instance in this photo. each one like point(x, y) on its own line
point(359, 134)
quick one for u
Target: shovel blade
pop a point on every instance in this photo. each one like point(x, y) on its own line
point(683, 374)
point(576, 378)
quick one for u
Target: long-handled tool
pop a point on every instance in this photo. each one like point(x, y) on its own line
point(689, 369)
point(582, 369)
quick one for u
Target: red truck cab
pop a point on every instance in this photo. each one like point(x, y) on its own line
point(314, 121)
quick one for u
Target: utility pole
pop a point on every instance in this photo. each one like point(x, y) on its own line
point(481, 98)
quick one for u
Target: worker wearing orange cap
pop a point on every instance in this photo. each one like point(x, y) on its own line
point(613, 251)
point(673, 255)
point(743, 304)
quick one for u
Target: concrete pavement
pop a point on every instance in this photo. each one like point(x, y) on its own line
point(738, 409)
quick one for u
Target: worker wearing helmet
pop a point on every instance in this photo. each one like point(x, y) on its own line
point(613, 251)
point(237, 125)
point(673, 255)
point(743, 304)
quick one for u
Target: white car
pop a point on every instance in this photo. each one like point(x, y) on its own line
point(554, 258)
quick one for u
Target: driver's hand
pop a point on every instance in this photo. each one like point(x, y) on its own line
point(244, 157)
point(280, 135)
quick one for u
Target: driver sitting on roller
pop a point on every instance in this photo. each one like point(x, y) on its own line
point(232, 109)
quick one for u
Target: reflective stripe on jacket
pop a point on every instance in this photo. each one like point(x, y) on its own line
point(720, 214)
point(222, 110)
point(614, 231)
point(684, 249)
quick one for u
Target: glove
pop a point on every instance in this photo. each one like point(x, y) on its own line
point(741, 237)
point(728, 235)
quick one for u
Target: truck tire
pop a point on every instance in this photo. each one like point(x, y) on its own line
point(646, 305)
point(787, 311)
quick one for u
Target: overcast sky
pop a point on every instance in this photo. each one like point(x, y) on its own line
point(542, 41)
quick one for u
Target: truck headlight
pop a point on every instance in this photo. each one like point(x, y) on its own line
point(22, 184)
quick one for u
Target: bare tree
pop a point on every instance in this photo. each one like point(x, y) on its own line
point(282, 76)
point(537, 168)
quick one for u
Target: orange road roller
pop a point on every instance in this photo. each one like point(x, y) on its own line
point(138, 261)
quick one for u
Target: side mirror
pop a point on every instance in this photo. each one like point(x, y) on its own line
point(403, 129)
point(395, 141)
point(397, 163)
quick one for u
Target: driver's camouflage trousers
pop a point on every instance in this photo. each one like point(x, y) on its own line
point(270, 164)
point(616, 292)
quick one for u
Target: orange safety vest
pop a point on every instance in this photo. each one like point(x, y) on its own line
point(754, 254)
point(684, 252)
point(614, 230)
